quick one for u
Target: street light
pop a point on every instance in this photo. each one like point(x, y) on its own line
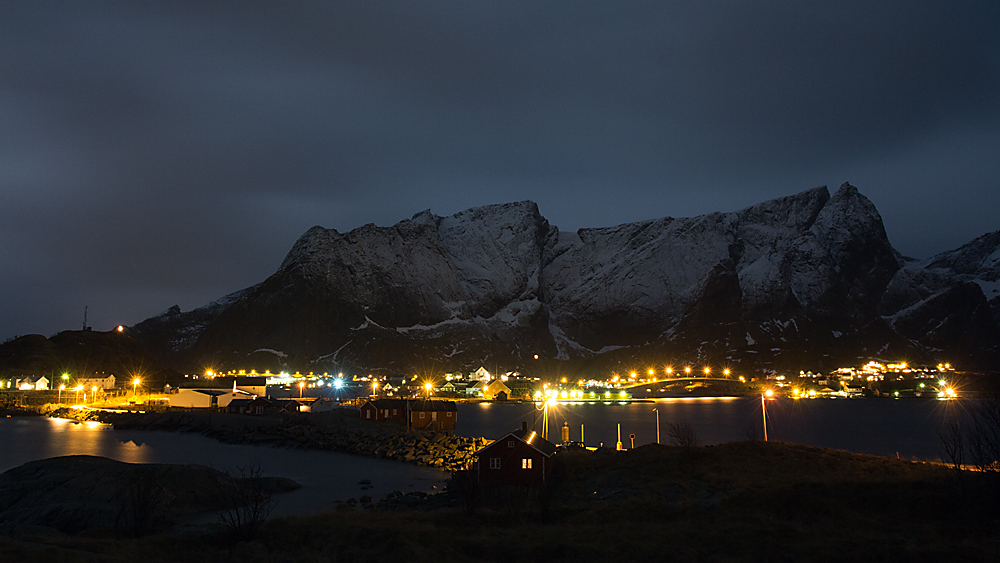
point(301, 385)
point(657, 425)
point(428, 387)
point(725, 372)
point(78, 388)
point(763, 410)
point(61, 387)
point(135, 385)
point(93, 395)
point(687, 369)
point(707, 371)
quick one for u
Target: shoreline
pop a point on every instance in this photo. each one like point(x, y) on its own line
point(336, 430)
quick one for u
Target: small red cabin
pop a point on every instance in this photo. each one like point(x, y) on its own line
point(520, 458)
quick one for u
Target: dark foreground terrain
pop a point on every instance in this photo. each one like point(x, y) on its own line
point(745, 501)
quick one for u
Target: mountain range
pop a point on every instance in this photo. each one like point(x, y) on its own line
point(807, 281)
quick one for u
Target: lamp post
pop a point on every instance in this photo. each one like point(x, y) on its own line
point(78, 388)
point(763, 409)
point(657, 425)
point(61, 387)
point(93, 394)
point(301, 385)
point(135, 386)
point(375, 388)
point(428, 387)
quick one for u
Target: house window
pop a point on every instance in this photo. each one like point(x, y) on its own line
point(494, 463)
point(526, 463)
point(510, 443)
point(449, 415)
point(422, 414)
point(393, 412)
point(368, 414)
point(434, 416)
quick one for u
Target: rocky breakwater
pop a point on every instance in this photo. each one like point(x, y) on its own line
point(339, 430)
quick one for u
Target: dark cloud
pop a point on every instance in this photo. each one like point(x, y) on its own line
point(153, 154)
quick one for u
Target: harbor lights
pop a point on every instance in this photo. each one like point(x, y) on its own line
point(707, 371)
point(687, 370)
point(726, 372)
point(669, 371)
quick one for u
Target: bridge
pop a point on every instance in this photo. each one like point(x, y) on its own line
point(686, 387)
point(692, 379)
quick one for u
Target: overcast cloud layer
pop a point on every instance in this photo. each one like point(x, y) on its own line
point(158, 154)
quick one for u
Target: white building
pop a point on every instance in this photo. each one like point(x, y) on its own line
point(33, 384)
point(104, 383)
point(206, 398)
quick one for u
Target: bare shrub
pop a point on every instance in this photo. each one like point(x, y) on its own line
point(682, 434)
point(953, 441)
point(984, 438)
point(141, 502)
point(244, 500)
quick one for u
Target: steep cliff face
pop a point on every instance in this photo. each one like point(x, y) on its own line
point(808, 275)
point(950, 302)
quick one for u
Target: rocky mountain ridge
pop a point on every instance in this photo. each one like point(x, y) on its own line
point(809, 278)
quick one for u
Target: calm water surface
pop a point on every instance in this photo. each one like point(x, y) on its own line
point(872, 426)
point(325, 476)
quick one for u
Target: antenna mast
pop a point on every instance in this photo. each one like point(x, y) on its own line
point(84, 317)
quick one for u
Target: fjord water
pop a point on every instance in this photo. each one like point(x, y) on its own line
point(326, 477)
point(909, 427)
point(883, 427)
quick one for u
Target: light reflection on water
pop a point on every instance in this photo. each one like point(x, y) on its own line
point(873, 426)
point(325, 476)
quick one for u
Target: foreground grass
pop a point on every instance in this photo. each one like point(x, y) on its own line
point(735, 502)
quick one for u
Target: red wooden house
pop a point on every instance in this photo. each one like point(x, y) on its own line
point(433, 415)
point(520, 458)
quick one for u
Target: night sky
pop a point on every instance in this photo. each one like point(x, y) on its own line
point(154, 154)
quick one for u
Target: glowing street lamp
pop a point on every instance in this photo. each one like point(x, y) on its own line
point(763, 409)
point(375, 388)
point(61, 387)
point(301, 385)
point(135, 386)
point(78, 388)
point(428, 387)
point(670, 371)
point(687, 369)
point(707, 371)
point(93, 394)
point(725, 372)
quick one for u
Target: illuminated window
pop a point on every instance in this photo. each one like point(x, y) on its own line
point(526, 463)
point(368, 414)
point(494, 463)
point(422, 415)
point(510, 443)
point(393, 412)
point(449, 415)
